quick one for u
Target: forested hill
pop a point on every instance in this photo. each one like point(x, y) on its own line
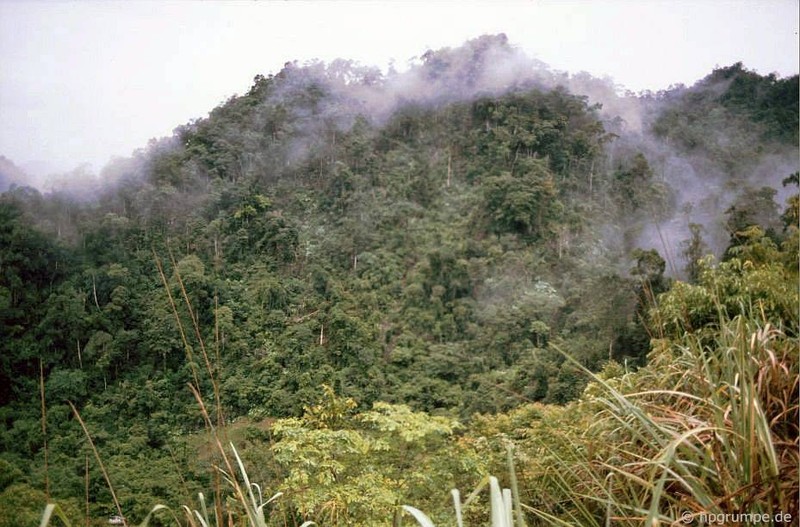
point(440, 238)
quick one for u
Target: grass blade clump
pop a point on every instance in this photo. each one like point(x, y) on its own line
point(501, 502)
point(418, 515)
point(49, 510)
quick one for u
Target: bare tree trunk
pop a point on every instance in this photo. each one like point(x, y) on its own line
point(94, 292)
point(449, 166)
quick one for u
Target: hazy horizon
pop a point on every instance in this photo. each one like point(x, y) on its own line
point(88, 81)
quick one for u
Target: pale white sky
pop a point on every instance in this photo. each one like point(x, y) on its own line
point(84, 81)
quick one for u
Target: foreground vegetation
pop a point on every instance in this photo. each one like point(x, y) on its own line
point(376, 308)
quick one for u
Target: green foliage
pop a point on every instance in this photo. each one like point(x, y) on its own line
point(758, 278)
point(345, 468)
point(754, 208)
point(768, 100)
point(423, 264)
point(732, 120)
point(525, 204)
point(8, 474)
point(21, 504)
point(693, 250)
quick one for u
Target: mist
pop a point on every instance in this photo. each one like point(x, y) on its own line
point(322, 100)
point(702, 183)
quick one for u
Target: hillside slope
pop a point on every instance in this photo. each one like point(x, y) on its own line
point(429, 239)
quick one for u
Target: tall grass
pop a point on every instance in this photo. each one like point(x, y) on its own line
point(709, 427)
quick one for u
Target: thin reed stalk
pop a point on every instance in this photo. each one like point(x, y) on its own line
point(240, 496)
point(86, 487)
point(186, 347)
point(44, 430)
point(201, 342)
point(99, 462)
point(211, 374)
